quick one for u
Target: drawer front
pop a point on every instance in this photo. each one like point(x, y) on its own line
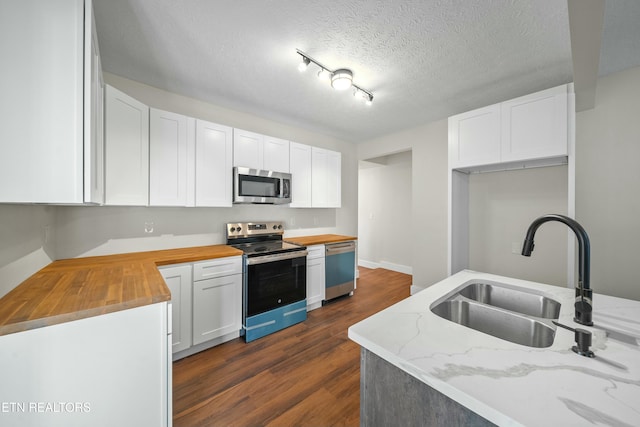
point(315, 251)
point(217, 268)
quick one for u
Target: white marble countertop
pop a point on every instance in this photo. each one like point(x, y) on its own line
point(512, 384)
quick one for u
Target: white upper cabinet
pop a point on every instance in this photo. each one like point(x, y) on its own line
point(300, 169)
point(247, 149)
point(93, 116)
point(45, 107)
point(475, 137)
point(334, 179)
point(256, 151)
point(126, 150)
point(276, 154)
point(319, 174)
point(168, 158)
point(326, 181)
point(213, 167)
point(535, 126)
point(531, 128)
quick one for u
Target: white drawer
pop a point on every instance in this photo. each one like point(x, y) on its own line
point(217, 268)
point(315, 251)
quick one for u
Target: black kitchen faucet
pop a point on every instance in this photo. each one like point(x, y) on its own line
point(584, 294)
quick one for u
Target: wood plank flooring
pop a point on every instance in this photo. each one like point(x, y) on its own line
point(305, 375)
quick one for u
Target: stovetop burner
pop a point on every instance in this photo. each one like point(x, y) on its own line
point(259, 238)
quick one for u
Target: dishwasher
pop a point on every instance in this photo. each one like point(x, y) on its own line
point(340, 269)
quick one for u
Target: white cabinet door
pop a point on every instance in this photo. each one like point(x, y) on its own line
point(94, 115)
point(126, 150)
point(535, 126)
point(179, 280)
point(334, 179)
point(319, 177)
point(326, 178)
point(41, 101)
point(474, 137)
point(168, 159)
point(315, 277)
point(116, 364)
point(300, 168)
point(247, 149)
point(217, 305)
point(276, 154)
point(214, 164)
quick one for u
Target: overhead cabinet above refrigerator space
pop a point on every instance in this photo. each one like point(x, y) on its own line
point(535, 130)
point(531, 130)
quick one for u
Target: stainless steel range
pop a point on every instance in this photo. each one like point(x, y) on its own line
point(275, 278)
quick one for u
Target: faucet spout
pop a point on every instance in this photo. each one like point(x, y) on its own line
point(584, 294)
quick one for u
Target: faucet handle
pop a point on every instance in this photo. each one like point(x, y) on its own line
point(583, 306)
point(583, 339)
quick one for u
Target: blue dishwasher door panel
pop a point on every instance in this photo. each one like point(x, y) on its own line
point(340, 268)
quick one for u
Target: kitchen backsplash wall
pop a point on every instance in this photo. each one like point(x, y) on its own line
point(26, 242)
point(104, 230)
point(501, 207)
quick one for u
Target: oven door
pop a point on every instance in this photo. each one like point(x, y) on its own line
point(273, 281)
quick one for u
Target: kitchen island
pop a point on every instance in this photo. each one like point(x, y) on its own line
point(424, 368)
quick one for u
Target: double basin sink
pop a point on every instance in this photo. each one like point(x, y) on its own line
point(518, 315)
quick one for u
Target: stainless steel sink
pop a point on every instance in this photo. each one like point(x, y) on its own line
point(521, 317)
point(512, 299)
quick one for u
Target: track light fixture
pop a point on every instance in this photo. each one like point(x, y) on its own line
point(341, 79)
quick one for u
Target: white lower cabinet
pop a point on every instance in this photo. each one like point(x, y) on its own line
point(179, 280)
point(315, 277)
point(207, 303)
point(217, 305)
point(108, 370)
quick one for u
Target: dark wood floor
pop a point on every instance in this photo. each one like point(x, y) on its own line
point(305, 375)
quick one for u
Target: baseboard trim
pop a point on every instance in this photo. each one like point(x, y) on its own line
point(406, 269)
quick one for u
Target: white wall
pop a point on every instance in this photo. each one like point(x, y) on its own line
point(84, 231)
point(26, 242)
point(608, 183)
point(384, 189)
point(501, 207)
point(428, 236)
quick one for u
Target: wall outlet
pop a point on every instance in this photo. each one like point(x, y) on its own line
point(46, 234)
point(148, 227)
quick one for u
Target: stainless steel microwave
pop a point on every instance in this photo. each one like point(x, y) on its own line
point(261, 186)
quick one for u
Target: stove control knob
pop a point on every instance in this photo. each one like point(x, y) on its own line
point(280, 227)
point(232, 229)
point(239, 229)
point(275, 227)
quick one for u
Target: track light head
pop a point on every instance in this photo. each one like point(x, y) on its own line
point(302, 66)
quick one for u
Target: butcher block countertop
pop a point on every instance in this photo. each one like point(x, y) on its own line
point(320, 239)
point(77, 288)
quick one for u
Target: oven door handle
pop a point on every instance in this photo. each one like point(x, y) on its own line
point(276, 257)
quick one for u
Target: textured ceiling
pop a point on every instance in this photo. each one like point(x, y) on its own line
point(423, 60)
